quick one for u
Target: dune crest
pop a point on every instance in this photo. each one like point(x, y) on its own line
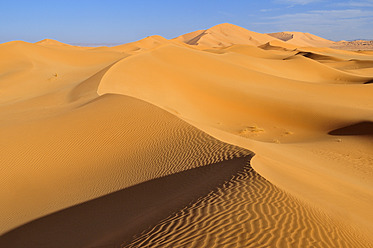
point(288, 222)
point(302, 39)
point(223, 35)
point(310, 40)
point(51, 42)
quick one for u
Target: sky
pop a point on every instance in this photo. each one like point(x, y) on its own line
point(122, 21)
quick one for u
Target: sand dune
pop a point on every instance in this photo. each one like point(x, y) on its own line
point(354, 45)
point(142, 45)
point(50, 42)
point(302, 39)
point(28, 70)
point(278, 45)
point(45, 153)
point(159, 131)
point(232, 216)
point(223, 35)
point(230, 103)
point(309, 40)
point(116, 217)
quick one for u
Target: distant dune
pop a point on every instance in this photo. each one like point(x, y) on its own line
point(223, 35)
point(217, 138)
point(354, 45)
point(50, 42)
point(302, 39)
point(310, 40)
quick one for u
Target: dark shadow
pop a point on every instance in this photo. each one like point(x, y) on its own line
point(268, 46)
point(361, 128)
point(369, 82)
point(114, 219)
point(316, 56)
point(282, 36)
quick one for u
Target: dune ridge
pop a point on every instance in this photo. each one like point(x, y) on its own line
point(232, 216)
point(114, 218)
point(310, 40)
point(223, 35)
point(302, 39)
point(112, 163)
point(79, 123)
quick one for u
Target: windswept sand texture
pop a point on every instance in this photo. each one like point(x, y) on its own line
point(218, 138)
point(248, 211)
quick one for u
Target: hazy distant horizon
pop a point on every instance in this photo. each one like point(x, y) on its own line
point(109, 44)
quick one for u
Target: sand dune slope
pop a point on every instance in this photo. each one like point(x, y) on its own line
point(232, 96)
point(110, 220)
point(28, 70)
point(241, 92)
point(302, 39)
point(223, 35)
point(233, 215)
point(141, 45)
point(309, 40)
point(94, 150)
point(52, 43)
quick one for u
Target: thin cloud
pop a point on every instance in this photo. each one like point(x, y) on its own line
point(366, 3)
point(297, 2)
point(331, 24)
point(324, 15)
point(266, 10)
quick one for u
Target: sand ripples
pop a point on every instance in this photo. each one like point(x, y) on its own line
point(248, 211)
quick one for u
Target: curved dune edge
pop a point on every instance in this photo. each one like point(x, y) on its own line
point(106, 145)
point(284, 120)
point(361, 128)
point(248, 211)
point(111, 219)
point(331, 175)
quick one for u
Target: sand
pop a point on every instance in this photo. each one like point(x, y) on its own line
point(311, 40)
point(224, 35)
point(220, 137)
point(302, 39)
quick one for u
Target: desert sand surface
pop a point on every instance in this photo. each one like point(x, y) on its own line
point(302, 39)
point(217, 138)
point(307, 39)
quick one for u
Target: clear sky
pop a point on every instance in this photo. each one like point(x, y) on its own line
point(115, 21)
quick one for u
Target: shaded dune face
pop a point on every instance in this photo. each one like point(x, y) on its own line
point(361, 128)
point(110, 220)
point(302, 39)
point(108, 144)
point(224, 35)
point(316, 56)
point(282, 36)
point(248, 211)
point(226, 203)
point(146, 143)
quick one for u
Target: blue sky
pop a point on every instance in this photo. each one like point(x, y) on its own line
point(115, 21)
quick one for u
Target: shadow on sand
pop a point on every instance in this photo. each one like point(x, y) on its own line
point(113, 219)
point(361, 128)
